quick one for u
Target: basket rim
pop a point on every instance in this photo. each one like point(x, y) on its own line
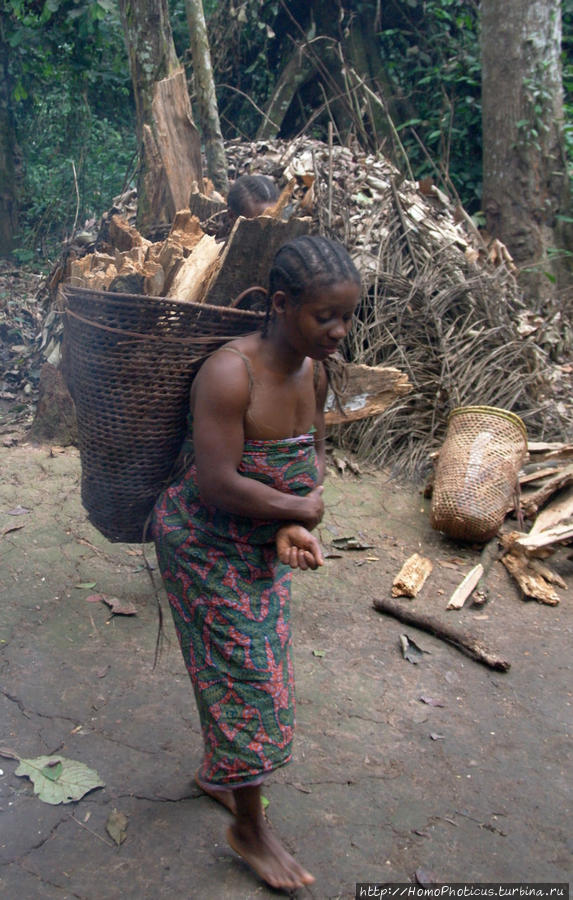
point(492, 411)
point(118, 298)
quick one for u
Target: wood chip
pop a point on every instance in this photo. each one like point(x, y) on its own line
point(412, 576)
point(465, 588)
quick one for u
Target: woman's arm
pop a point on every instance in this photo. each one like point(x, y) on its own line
point(220, 398)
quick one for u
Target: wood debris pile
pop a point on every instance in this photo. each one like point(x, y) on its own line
point(439, 303)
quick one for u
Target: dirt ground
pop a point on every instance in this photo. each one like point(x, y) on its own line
point(383, 784)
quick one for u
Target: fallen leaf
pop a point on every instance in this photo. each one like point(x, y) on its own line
point(93, 598)
point(120, 607)
point(410, 650)
point(319, 652)
point(264, 801)
point(86, 585)
point(18, 511)
point(116, 826)
point(57, 779)
point(351, 543)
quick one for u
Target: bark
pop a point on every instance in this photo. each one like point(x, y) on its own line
point(206, 96)
point(8, 191)
point(169, 147)
point(525, 173)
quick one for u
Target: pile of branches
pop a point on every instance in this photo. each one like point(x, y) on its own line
point(439, 303)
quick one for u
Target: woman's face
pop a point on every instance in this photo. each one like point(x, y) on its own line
point(320, 320)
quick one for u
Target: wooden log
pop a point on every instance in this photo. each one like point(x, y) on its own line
point(171, 152)
point(554, 514)
point(124, 236)
point(531, 582)
point(466, 643)
point(543, 472)
point(465, 588)
point(545, 538)
point(368, 391)
point(412, 576)
point(538, 499)
point(204, 207)
point(248, 255)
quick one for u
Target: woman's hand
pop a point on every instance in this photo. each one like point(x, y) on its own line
point(298, 548)
point(313, 511)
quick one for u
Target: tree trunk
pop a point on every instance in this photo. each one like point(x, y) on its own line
point(169, 145)
point(525, 174)
point(8, 192)
point(206, 96)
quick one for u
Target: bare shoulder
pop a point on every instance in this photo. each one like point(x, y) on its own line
point(224, 377)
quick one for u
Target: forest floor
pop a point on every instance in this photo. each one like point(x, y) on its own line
point(442, 771)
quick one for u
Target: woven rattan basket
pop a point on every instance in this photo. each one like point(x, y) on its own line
point(477, 471)
point(130, 361)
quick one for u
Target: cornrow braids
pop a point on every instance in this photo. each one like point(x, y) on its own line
point(308, 262)
point(250, 189)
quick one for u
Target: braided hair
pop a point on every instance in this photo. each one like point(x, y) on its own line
point(251, 189)
point(308, 262)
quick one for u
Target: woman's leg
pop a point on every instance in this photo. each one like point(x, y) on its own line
point(251, 837)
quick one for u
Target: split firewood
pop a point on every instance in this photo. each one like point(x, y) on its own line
point(556, 483)
point(466, 643)
point(190, 282)
point(412, 576)
point(465, 588)
point(540, 471)
point(530, 581)
point(367, 391)
point(545, 538)
point(557, 513)
point(248, 255)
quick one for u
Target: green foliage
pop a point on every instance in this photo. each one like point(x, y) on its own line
point(431, 54)
point(72, 104)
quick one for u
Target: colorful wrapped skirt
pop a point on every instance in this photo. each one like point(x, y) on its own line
point(230, 600)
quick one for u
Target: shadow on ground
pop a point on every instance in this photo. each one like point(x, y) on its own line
point(382, 784)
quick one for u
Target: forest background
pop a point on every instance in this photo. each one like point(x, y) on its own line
point(67, 100)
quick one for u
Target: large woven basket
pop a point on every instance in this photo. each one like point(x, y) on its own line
point(477, 471)
point(130, 362)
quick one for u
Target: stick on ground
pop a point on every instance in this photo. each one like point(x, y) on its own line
point(465, 643)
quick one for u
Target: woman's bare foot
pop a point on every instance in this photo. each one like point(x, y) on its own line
point(225, 798)
point(266, 855)
point(251, 837)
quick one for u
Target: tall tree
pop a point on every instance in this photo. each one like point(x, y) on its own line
point(206, 95)
point(526, 188)
point(169, 145)
point(8, 193)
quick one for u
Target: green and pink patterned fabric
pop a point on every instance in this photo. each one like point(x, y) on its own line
point(230, 600)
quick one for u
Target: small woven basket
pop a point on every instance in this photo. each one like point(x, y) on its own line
point(477, 472)
point(129, 362)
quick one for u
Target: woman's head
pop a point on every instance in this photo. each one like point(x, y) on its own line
point(250, 195)
point(310, 262)
point(314, 291)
